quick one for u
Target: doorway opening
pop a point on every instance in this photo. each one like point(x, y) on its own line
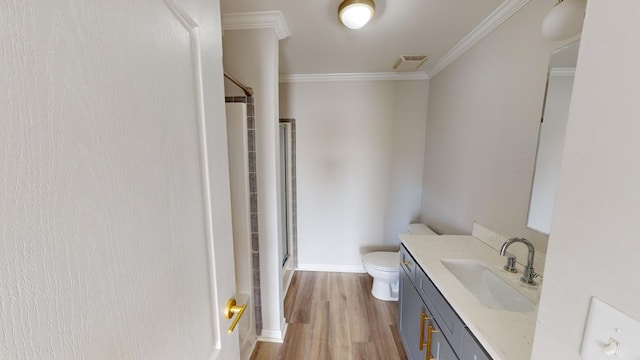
point(288, 242)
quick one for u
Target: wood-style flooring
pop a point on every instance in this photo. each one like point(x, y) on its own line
point(333, 316)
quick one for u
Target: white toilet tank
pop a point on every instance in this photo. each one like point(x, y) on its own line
point(420, 229)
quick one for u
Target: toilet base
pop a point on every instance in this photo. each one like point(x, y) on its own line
point(384, 291)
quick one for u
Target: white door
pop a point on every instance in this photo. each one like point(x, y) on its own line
point(115, 238)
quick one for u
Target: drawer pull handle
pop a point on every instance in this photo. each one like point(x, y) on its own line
point(430, 331)
point(404, 263)
point(424, 318)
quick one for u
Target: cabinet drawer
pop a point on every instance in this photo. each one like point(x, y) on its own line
point(450, 324)
point(471, 349)
point(408, 264)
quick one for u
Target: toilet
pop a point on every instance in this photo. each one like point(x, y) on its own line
point(384, 267)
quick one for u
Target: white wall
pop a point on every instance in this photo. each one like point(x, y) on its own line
point(104, 251)
point(360, 147)
point(482, 130)
point(251, 56)
point(594, 246)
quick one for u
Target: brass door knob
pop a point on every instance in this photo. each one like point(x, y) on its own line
point(230, 309)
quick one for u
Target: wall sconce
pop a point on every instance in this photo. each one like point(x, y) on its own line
point(355, 14)
point(564, 20)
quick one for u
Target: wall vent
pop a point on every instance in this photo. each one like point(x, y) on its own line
point(409, 62)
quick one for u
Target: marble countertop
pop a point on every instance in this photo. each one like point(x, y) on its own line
point(505, 335)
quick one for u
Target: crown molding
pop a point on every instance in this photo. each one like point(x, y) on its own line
point(382, 76)
point(257, 20)
point(497, 17)
point(562, 72)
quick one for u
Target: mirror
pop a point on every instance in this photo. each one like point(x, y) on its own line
point(555, 112)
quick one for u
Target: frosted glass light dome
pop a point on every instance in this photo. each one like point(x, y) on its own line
point(564, 20)
point(355, 14)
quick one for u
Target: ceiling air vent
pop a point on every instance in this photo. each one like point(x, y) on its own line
point(409, 62)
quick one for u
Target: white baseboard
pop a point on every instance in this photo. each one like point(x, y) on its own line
point(276, 336)
point(251, 349)
point(331, 268)
point(273, 336)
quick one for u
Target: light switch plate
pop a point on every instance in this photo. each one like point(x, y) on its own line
point(607, 326)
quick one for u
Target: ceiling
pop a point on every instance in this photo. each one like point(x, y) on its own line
point(319, 44)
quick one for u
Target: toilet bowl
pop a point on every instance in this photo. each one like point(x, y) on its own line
point(384, 267)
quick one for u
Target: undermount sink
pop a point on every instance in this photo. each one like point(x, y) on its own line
point(488, 287)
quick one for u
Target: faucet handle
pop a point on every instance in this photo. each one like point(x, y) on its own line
point(528, 275)
point(511, 263)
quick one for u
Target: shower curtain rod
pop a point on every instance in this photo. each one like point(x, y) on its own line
point(247, 90)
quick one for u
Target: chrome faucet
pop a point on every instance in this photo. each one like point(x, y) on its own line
point(529, 273)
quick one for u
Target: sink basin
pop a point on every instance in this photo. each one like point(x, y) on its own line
point(488, 287)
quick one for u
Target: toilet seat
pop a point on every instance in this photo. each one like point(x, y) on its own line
point(384, 267)
point(382, 260)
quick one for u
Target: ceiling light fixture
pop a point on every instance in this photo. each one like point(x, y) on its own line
point(355, 14)
point(564, 20)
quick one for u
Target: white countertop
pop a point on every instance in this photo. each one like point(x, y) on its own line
point(505, 335)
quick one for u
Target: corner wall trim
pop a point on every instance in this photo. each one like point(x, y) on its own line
point(331, 268)
point(497, 17)
point(382, 76)
point(257, 20)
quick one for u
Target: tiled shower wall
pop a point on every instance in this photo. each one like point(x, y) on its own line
point(253, 201)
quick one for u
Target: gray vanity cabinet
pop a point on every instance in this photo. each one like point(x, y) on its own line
point(471, 350)
point(440, 348)
point(410, 310)
point(450, 338)
point(450, 324)
point(414, 315)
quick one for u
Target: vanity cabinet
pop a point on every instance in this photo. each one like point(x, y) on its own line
point(417, 323)
point(424, 313)
point(410, 310)
point(471, 350)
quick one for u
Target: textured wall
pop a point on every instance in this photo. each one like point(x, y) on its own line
point(360, 147)
point(482, 130)
point(594, 246)
point(103, 248)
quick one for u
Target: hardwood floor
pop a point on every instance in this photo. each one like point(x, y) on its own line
point(333, 316)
